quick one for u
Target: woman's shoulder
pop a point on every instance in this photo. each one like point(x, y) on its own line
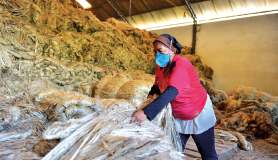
point(181, 61)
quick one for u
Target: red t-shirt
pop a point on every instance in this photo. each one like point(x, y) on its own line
point(192, 95)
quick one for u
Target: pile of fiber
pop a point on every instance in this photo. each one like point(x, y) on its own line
point(110, 136)
point(250, 110)
point(78, 118)
point(49, 73)
point(40, 40)
point(44, 38)
point(75, 35)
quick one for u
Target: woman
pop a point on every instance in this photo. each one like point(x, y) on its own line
point(177, 82)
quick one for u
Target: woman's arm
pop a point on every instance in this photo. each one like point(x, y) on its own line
point(160, 102)
point(152, 110)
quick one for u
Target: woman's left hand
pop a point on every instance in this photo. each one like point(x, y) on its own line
point(139, 117)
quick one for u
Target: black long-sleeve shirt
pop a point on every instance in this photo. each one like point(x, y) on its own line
point(161, 101)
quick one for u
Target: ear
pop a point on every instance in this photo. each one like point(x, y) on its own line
point(171, 52)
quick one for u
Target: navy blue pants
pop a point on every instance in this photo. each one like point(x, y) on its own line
point(205, 143)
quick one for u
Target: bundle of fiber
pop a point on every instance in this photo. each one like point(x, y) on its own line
point(87, 88)
point(248, 103)
point(112, 103)
point(122, 87)
point(218, 96)
point(233, 136)
point(138, 36)
point(35, 13)
point(219, 116)
point(239, 121)
point(274, 100)
point(185, 50)
point(223, 104)
point(206, 70)
point(273, 111)
point(110, 136)
point(233, 105)
point(44, 146)
point(20, 116)
point(119, 24)
point(224, 135)
point(194, 59)
point(44, 93)
point(111, 88)
point(134, 91)
point(263, 125)
point(100, 85)
point(145, 77)
point(273, 139)
point(249, 93)
point(5, 60)
point(61, 106)
point(238, 94)
point(245, 145)
point(275, 119)
point(262, 96)
point(133, 73)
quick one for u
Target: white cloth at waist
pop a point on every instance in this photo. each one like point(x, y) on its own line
point(205, 120)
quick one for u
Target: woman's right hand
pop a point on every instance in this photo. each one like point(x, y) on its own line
point(139, 117)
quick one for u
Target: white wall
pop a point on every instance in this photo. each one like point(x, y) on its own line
point(241, 51)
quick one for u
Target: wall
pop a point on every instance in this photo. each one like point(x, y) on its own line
point(241, 51)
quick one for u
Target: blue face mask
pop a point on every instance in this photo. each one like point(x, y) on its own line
point(162, 59)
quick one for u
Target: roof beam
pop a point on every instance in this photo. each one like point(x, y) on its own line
point(117, 10)
point(194, 26)
point(190, 10)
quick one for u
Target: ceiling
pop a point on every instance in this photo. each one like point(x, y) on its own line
point(103, 10)
point(156, 14)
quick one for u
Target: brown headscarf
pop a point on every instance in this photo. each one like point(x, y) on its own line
point(165, 41)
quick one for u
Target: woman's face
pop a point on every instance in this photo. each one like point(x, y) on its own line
point(160, 48)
